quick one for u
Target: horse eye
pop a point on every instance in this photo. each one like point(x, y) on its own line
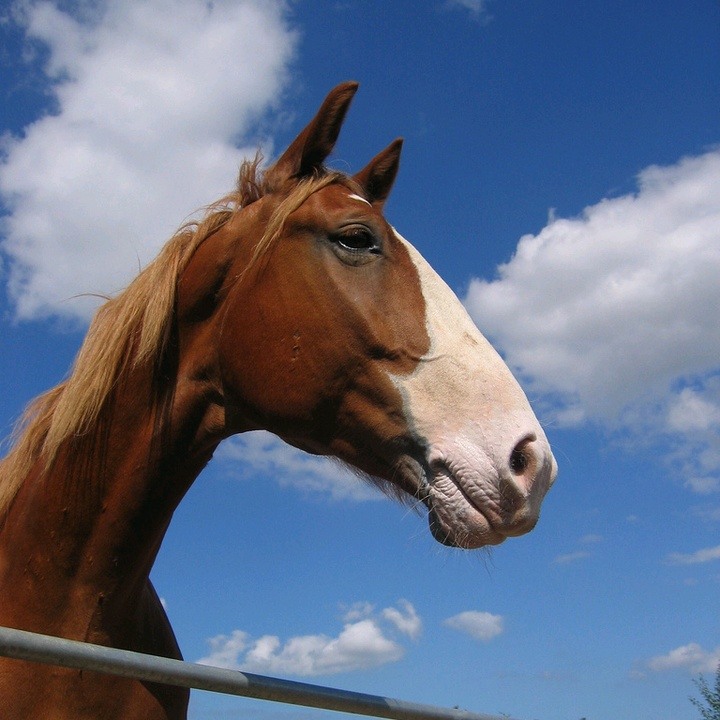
point(357, 239)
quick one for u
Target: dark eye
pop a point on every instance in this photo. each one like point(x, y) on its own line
point(357, 239)
point(356, 244)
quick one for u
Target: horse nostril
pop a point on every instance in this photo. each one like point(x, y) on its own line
point(518, 462)
point(521, 457)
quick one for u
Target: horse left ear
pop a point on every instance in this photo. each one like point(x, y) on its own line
point(305, 155)
point(378, 176)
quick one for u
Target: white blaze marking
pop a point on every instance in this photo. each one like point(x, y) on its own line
point(464, 402)
point(462, 393)
point(353, 196)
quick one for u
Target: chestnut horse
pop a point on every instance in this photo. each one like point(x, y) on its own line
point(294, 307)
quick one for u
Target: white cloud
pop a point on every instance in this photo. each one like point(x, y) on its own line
point(689, 412)
point(703, 485)
point(700, 556)
point(152, 98)
point(361, 644)
point(482, 626)
point(404, 618)
point(358, 611)
point(226, 649)
point(692, 657)
point(571, 557)
point(260, 451)
point(613, 315)
point(477, 8)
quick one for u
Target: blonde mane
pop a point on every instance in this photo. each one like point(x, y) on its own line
point(133, 329)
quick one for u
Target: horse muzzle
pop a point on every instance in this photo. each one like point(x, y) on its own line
point(474, 501)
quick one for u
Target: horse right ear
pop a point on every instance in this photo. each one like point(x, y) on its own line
point(305, 155)
point(378, 176)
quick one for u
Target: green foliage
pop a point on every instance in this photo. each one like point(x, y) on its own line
point(709, 706)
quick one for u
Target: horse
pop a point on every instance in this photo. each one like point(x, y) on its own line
point(291, 306)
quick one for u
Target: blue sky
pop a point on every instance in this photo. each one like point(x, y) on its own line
point(562, 172)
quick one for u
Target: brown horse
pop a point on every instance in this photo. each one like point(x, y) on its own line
point(293, 307)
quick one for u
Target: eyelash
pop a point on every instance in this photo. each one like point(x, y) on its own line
point(367, 241)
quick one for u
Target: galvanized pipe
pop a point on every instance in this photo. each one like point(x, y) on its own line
point(23, 645)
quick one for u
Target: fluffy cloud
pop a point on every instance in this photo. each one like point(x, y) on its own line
point(613, 315)
point(151, 100)
point(483, 626)
point(362, 643)
point(692, 657)
point(260, 451)
point(404, 618)
point(226, 650)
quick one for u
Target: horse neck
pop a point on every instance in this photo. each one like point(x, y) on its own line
point(90, 526)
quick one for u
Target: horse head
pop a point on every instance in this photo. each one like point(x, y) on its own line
point(321, 324)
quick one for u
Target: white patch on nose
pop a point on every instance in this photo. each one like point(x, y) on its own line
point(462, 397)
point(353, 196)
point(465, 407)
point(468, 410)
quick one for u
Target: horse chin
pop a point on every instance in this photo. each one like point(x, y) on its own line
point(453, 535)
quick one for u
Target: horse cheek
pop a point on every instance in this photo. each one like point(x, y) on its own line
point(269, 377)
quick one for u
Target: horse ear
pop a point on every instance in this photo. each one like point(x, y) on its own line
point(307, 152)
point(378, 176)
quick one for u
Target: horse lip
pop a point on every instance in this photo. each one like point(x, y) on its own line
point(498, 526)
point(425, 473)
point(411, 466)
point(440, 468)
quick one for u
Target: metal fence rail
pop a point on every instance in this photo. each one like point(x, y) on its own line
point(23, 645)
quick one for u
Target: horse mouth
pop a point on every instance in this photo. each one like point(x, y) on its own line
point(471, 514)
point(470, 504)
